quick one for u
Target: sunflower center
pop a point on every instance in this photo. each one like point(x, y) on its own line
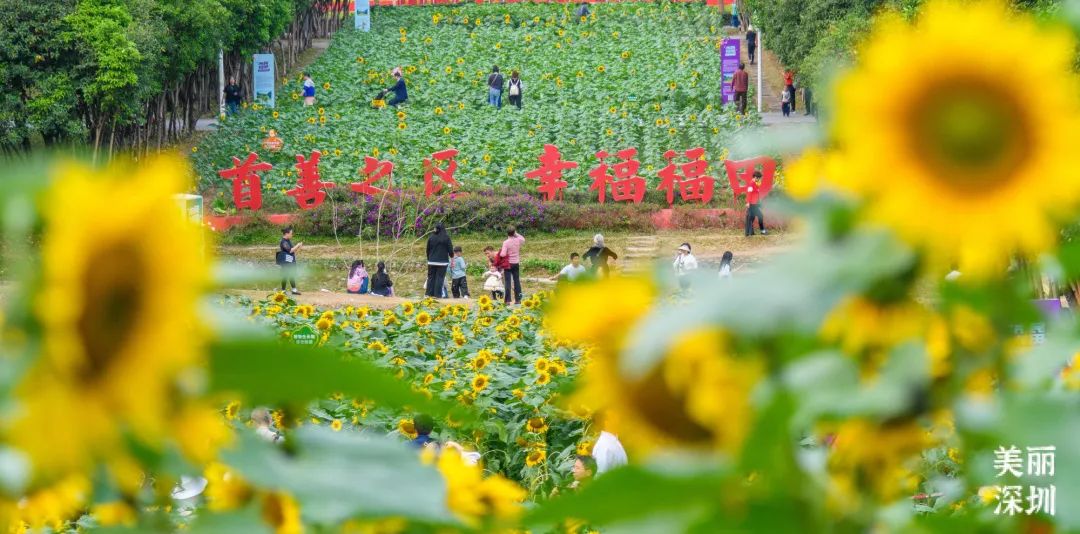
point(665, 410)
point(114, 294)
point(970, 135)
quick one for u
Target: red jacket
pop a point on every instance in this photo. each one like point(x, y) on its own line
point(755, 191)
point(789, 78)
point(740, 83)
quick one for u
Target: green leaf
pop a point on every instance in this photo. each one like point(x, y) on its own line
point(635, 492)
point(246, 520)
point(272, 372)
point(338, 475)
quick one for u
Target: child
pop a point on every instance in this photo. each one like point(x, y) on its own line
point(358, 278)
point(459, 285)
point(573, 271)
point(309, 90)
point(493, 277)
point(286, 258)
point(725, 265)
point(785, 103)
point(380, 283)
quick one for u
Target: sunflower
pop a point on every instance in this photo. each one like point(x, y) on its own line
point(279, 297)
point(672, 85)
point(536, 425)
point(480, 361)
point(613, 110)
point(117, 309)
point(659, 122)
point(518, 393)
point(326, 86)
point(609, 131)
point(542, 379)
point(311, 120)
point(360, 59)
point(446, 130)
point(423, 318)
point(378, 346)
point(580, 74)
point(407, 428)
point(408, 308)
point(480, 382)
point(962, 141)
point(324, 323)
point(876, 454)
point(541, 365)
point(449, 69)
point(280, 511)
point(438, 110)
point(401, 115)
point(535, 457)
point(513, 321)
point(336, 425)
point(625, 54)
point(584, 448)
point(275, 114)
point(671, 131)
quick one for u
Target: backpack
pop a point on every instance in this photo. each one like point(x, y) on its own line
point(515, 88)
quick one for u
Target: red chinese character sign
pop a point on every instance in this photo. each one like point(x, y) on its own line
point(550, 173)
point(693, 184)
point(444, 173)
point(626, 185)
point(741, 176)
point(374, 170)
point(308, 192)
point(246, 184)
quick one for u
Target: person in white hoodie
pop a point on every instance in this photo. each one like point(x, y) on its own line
point(684, 264)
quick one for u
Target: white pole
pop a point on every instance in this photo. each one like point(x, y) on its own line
point(221, 81)
point(760, 54)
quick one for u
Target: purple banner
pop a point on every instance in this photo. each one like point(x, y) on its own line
point(729, 63)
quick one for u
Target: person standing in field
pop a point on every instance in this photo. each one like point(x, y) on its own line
point(439, 252)
point(309, 90)
point(684, 264)
point(789, 88)
point(755, 193)
point(495, 87)
point(740, 84)
point(232, 97)
point(286, 258)
point(511, 250)
point(459, 283)
point(515, 89)
point(751, 43)
point(598, 256)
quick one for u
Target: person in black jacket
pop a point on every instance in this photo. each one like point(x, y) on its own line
point(380, 283)
point(232, 97)
point(286, 258)
point(598, 256)
point(439, 252)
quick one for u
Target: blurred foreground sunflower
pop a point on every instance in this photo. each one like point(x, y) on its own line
point(118, 311)
point(959, 158)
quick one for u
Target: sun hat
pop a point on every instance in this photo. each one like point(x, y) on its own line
point(685, 247)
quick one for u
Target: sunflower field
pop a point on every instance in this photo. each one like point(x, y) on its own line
point(911, 364)
point(597, 84)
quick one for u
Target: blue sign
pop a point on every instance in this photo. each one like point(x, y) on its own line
point(263, 79)
point(363, 15)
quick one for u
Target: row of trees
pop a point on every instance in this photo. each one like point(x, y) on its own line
point(814, 37)
point(136, 74)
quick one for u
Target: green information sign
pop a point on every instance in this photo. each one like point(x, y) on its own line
point(304, 335)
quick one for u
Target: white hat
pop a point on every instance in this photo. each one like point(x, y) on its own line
point(188, 487)
point(684, 247)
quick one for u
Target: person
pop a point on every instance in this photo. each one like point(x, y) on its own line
point(309, 90)
point(515, 89)
point(495, 87)
point(439, 251)
point(401, 94)
point(511, 250)
point(608, 451)
point(459, 283)
point(424, 425)
point(755, 193)
point(232, 97)
point(734, 15)
point(493, 276)
point(573, 270)
point(582, 11)
point(684, 264)
point(725, 264)
point(380, 283)
point(357, 283)
point(583, 470)
point(751, 43)
point(598, 256)
point(789, 87)
point(785, 103)
point(260, 417)
point(286, 258)
point(470, 457)
point(740, 84)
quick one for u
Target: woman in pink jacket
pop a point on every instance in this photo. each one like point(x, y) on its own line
point(511, 250)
